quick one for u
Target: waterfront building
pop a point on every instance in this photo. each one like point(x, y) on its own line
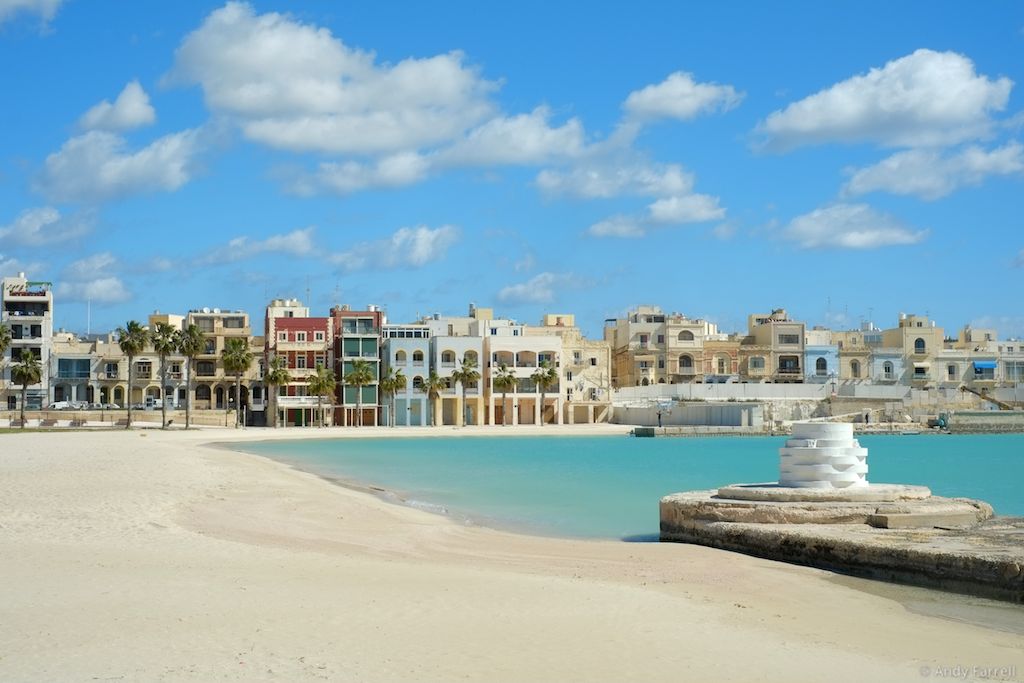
point(26, 307)
point(304, 342)
point(407, 348)
point(650, 347)
point(357, 336)
point(722, 358)
point(821, 356)
point(920, 341)
point(73, 369)
point(784, 340)
point(855, 354)
point(214, 388)
point(584, 370)
point(452, 341)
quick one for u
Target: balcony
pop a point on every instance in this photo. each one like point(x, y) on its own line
point(111, 375)
point(73, 374)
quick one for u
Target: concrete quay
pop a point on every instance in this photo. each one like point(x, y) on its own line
point(894, 533)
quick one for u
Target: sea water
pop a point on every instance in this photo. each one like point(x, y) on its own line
point(609, 486)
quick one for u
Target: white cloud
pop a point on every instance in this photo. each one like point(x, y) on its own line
point(10, 266)
point(930, 175)
point(43, 225)
point(46, 9)
point(618, 226)
point(926, 98)
point(396, 170)
point(295, 86)
point(90, 279)
point(130, 110)
point(694, 208)
point(849, 226)
point(680, 97)
point(412, 247)
point(522, 139)
point(97, 166)
point(724, 231)
point(296, 243)
point(607, 180)
point(540, 289)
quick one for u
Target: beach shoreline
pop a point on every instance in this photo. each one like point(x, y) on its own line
point(155, 555)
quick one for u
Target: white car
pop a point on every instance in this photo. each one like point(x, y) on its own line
point(59, 405)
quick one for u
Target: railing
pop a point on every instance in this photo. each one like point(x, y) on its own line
point(71, 374)
point(110, 375)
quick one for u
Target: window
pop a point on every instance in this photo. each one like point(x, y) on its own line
point(919, 345)
point(144, 369)
point(234, 323)
point(685, 363)
point(319, 361)
point(494, 330)
point(855, 369)
point(568, 376)
point(417, 382)
point(111, 370)
point(202, 393)
point(282, 336)
point(721, 367)
point(204, 324)
point(206, 368)
point(661, 339)
point(821, 367)
point(789, 339)
point(643, 340)
point(300, 336)
point(661, 363)
point(448, 358)
point(400, 357)
point(576, 356)
point(593, 360)
point(211, 346)
point(417, 358)
point(756, 363)
point(319, 336)
point(686, 335)
point(593, 394)
point(887, 372)
point(300, 361)
point(951, 371)
point(515, 333)
point(644, 364)
point(920, 372)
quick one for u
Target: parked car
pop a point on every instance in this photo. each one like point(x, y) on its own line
point(110, 406)
point(59, 405)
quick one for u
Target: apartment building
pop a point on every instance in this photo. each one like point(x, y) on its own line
point(214, 388)
point(507, 343)
point(407, 348)
point(452, 341)
point(357, 336)
point(650, 347)
point(26, 307)
point(585, 370)
point(920, 342)
point(304, 342)
point(821, 356)
point(782, 339)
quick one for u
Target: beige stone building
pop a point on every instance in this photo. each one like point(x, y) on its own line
point(651, 347)
point(921, 341)
point(585, 369)
point(214, 389)
point(777, 342)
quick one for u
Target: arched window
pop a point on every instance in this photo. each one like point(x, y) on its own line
point(919, 345)
point(400, 357)
point(417, 382)
point(855, 369)
point(119, 395)
point(686, 335)
point(645, 382)
point(722, 370)
point(887, 370)
point(417, 358)
point(202, 393)
point(685, 362)
point(448, 357)
point(661, 381)
point(821, 367)
point(470, 356)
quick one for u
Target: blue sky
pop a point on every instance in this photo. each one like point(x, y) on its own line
point(844, 161)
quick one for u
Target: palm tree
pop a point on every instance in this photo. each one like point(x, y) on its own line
point(544, 377)
point(5, 343)
point(322, 383)
point(189, 342)
point(391, 384)
point(165, 342)
point(276, 375)
point(360, 375)
point(466, 374)
point(503, 381)
point(132, 339)
point(26, 372)
point(237, 359)
point(432, 386)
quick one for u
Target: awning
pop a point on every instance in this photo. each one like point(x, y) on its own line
point(984, 365)
point(922, 365)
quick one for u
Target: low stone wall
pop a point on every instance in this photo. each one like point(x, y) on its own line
point(988, 421)
point(113, 418)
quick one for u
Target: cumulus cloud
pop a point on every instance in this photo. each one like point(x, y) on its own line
point(608, 179)
point(406, 247)
point(522, 139)
point(929, 174)
point(694, 208)
point(927, 98)
point(540, 289)
point(618, 226)
point(97, 166)
point(396, 170)
point(91, 279)
point(849, 226)
point(46, 9)
point(296, 243)
point(680, 97)
point(130, 110)
point(295, 86)
point(10, 265)
point(44, 225)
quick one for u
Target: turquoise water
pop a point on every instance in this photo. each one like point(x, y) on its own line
point(609, 486)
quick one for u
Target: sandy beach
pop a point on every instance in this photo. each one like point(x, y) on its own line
point(149, 555)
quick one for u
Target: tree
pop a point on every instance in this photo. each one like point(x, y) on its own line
point(189, 342)
point(391, 384)
point(321, 383)
point(5, 343)
point(165, 342)
point(432, 386)
point(132, 338)
point(503, 381)
point(544, 377)
point(26, 372)
point(466, 374)
point(237, 359)
point(277, 375)
point(359, 376)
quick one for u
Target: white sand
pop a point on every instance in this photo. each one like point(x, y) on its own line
point(145, 555)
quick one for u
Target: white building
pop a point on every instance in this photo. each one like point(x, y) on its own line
point(26, 307)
